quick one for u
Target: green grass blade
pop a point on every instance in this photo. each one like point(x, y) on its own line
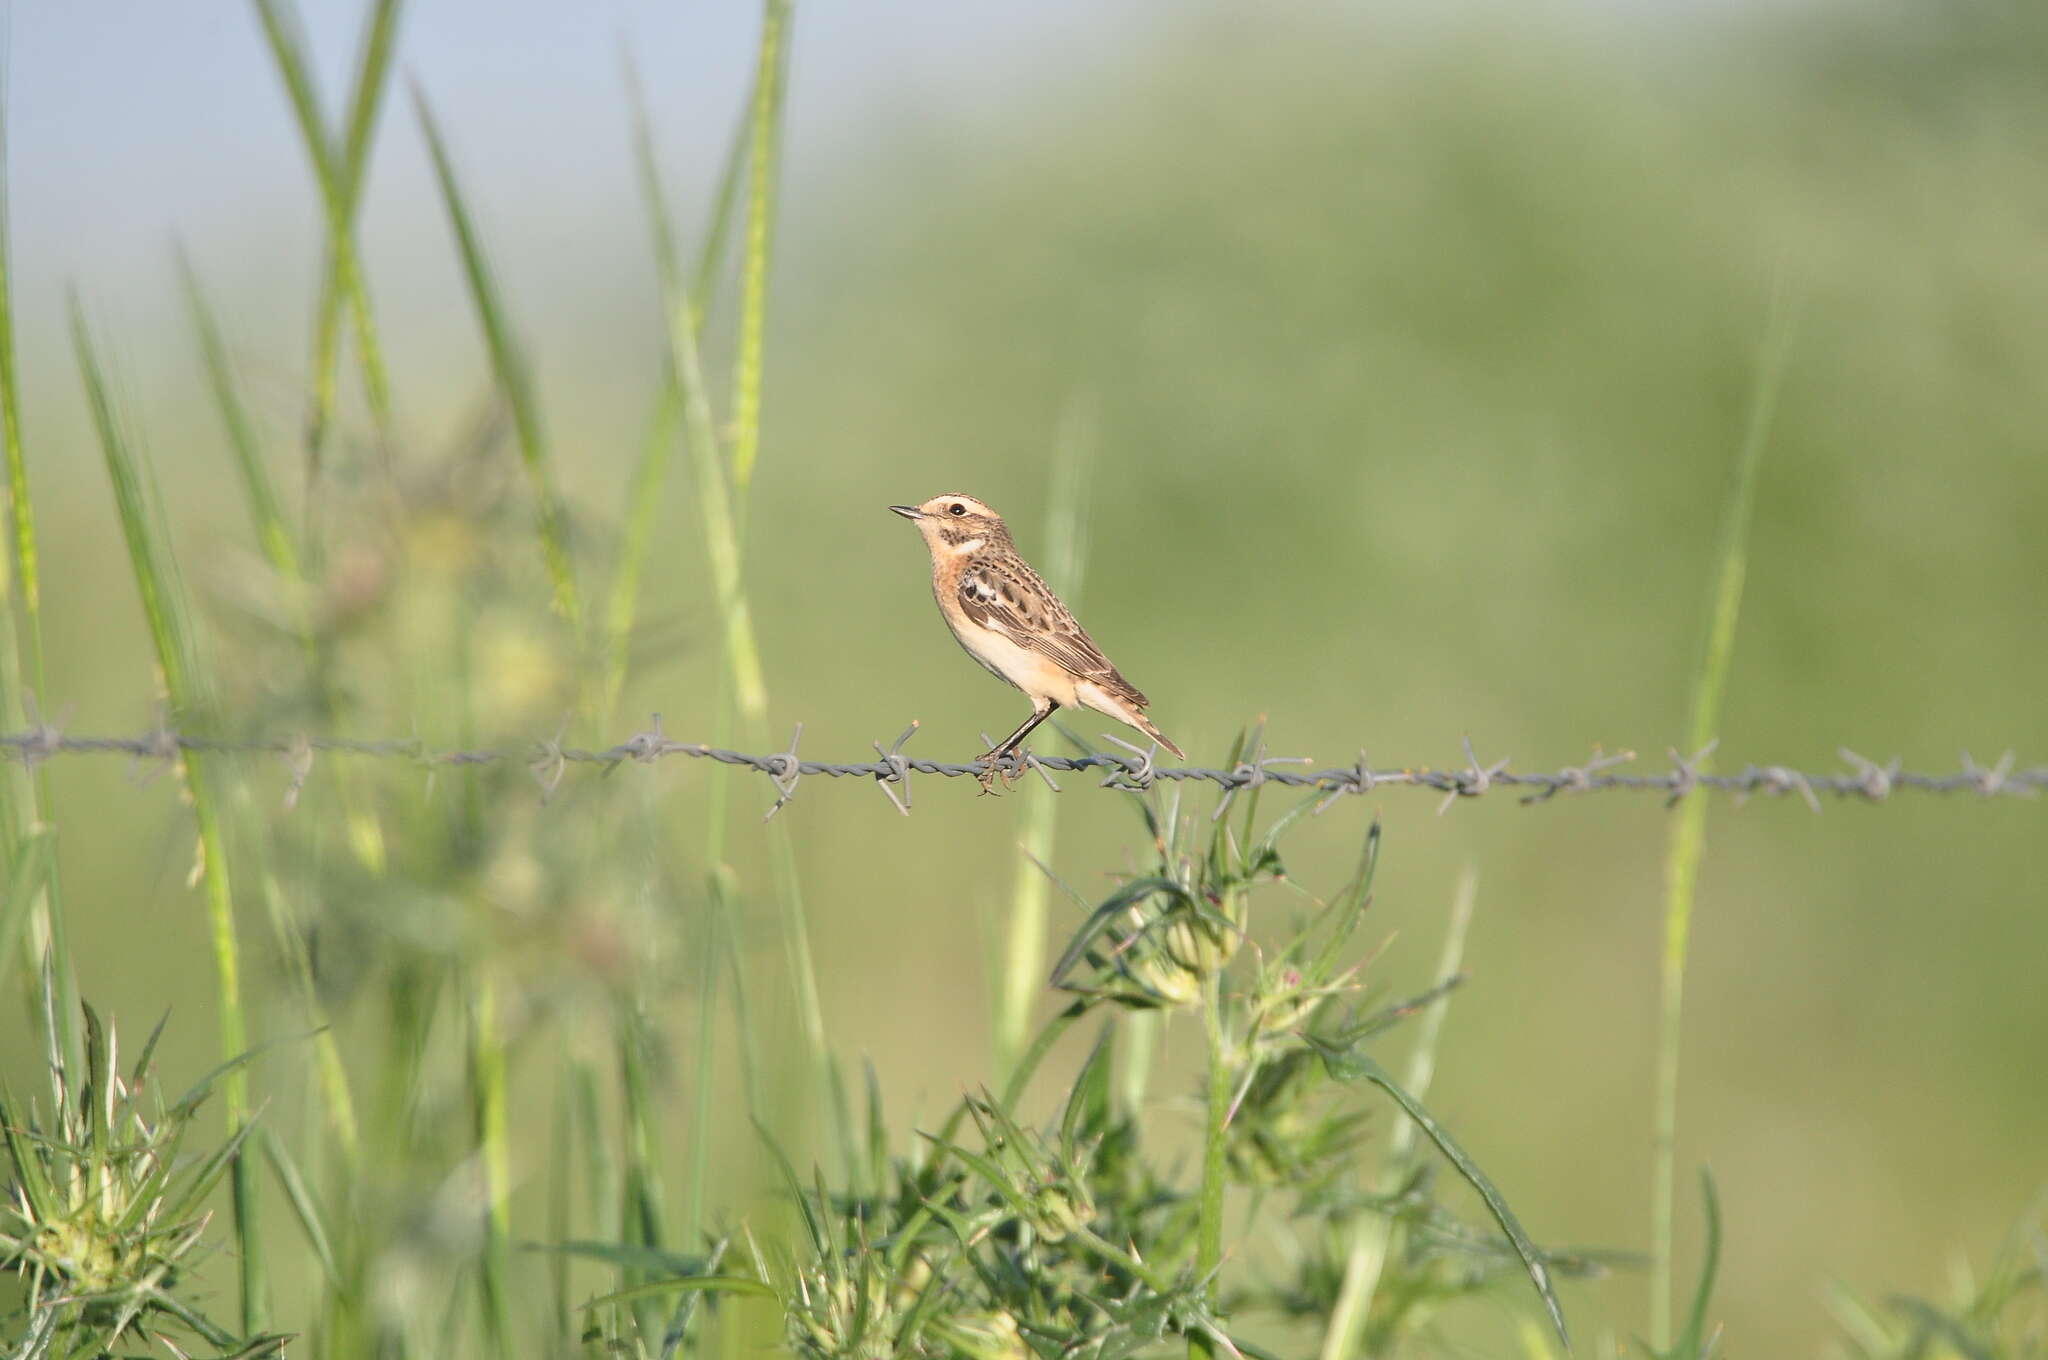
point(721, 539)
point(21, 658)
point(815, 1227)
point(1022, 979)
point(26, 876)
point(664, 427)
point(724, 212)
point(274, 535)
point(23, 565)
point(720, 518)
point(562, 1153)
point(493, 1150)
point(171, 633)
point(31, 1179)
point(653, 196)
point(305, 1208)
point(366, 102)
point(293, 949)
point(339, 177)
point(1372, 1234)
point(1215, 1144)
point(721, 505)
point(1689, 830)
point(650, 477)
point(645, 1212)
point(1694, 1341)
point(1489, 1194)
point(643, 513)
point(265, 514)
point(720, 509)
point(657, 1289)
point(514, 377)
point(625, 1255)
point(651, 473)
point(275, 539)
point(763, 154)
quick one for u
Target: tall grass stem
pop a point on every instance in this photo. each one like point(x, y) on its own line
point(338, 172)
point(1372, 1233)
point(1689, 829)
point(514, 377)
point(763, 155)
point(27, 806)
point(171, 631)
point(1215, 1145)
point(1021, 975)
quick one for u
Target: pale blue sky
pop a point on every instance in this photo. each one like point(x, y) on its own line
point(134, 122)
point(137, 123)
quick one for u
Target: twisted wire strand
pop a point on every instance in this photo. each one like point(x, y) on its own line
point(1861, 778)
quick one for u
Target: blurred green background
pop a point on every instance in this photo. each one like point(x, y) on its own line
point(1410, 356)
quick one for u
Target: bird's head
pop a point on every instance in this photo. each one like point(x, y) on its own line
point(955, 525)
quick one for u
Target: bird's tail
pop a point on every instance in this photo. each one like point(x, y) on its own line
point(1145, 725)
point(1126, 705)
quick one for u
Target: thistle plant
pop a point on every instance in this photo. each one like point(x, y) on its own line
point(2001, 1314)
point(104, 1219)
point(997, 1237)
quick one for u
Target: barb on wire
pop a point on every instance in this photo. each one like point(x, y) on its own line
point(548, 760)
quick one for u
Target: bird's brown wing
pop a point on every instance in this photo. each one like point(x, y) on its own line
point(1007, 597)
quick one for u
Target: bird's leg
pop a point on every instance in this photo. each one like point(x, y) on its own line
point(1041, 709)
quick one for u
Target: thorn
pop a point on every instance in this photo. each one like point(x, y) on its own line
point(549, 762)
point(1991, 782)
point(1777, 779)
point(298, 760)
point(1874, 781)
point(1473, 781)
point(1137, 774)
point(1579, 778)
point(1685, 774)
point(1360, 780)
point(786, 771)
point(898, 771)
point(157, 752)
point(42, 740)
point(649, 746)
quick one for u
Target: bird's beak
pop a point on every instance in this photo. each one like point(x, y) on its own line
point(908, 511)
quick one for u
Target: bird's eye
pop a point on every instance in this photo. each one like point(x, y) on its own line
point(956, 508)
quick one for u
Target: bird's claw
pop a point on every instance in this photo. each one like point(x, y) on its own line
point(992, 768)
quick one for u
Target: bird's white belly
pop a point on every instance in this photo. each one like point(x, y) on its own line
point(1029, 671)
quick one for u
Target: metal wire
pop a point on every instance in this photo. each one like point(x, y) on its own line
point(548, 760)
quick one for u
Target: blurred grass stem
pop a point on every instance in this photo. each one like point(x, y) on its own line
point(1021, 976)
point(1689, 829)
point(25, 807)
point(339, 174)
point(171, 631)
point(1215, 1145)
point(1372, 1233)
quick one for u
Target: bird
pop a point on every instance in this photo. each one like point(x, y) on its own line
point(1010, 621)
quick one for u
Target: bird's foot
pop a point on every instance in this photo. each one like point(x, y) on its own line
point(993, 767)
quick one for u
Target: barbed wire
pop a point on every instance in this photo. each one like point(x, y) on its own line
point(548, 760)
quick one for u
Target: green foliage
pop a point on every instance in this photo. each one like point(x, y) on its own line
point(2001, 1316)
point(1696, 1340)
point(1688, 832)
point(106, 1215)
point(526, 1019)
point(998, 1238)
point(515, 378)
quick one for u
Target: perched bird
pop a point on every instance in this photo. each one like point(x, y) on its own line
point(1013, 624)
